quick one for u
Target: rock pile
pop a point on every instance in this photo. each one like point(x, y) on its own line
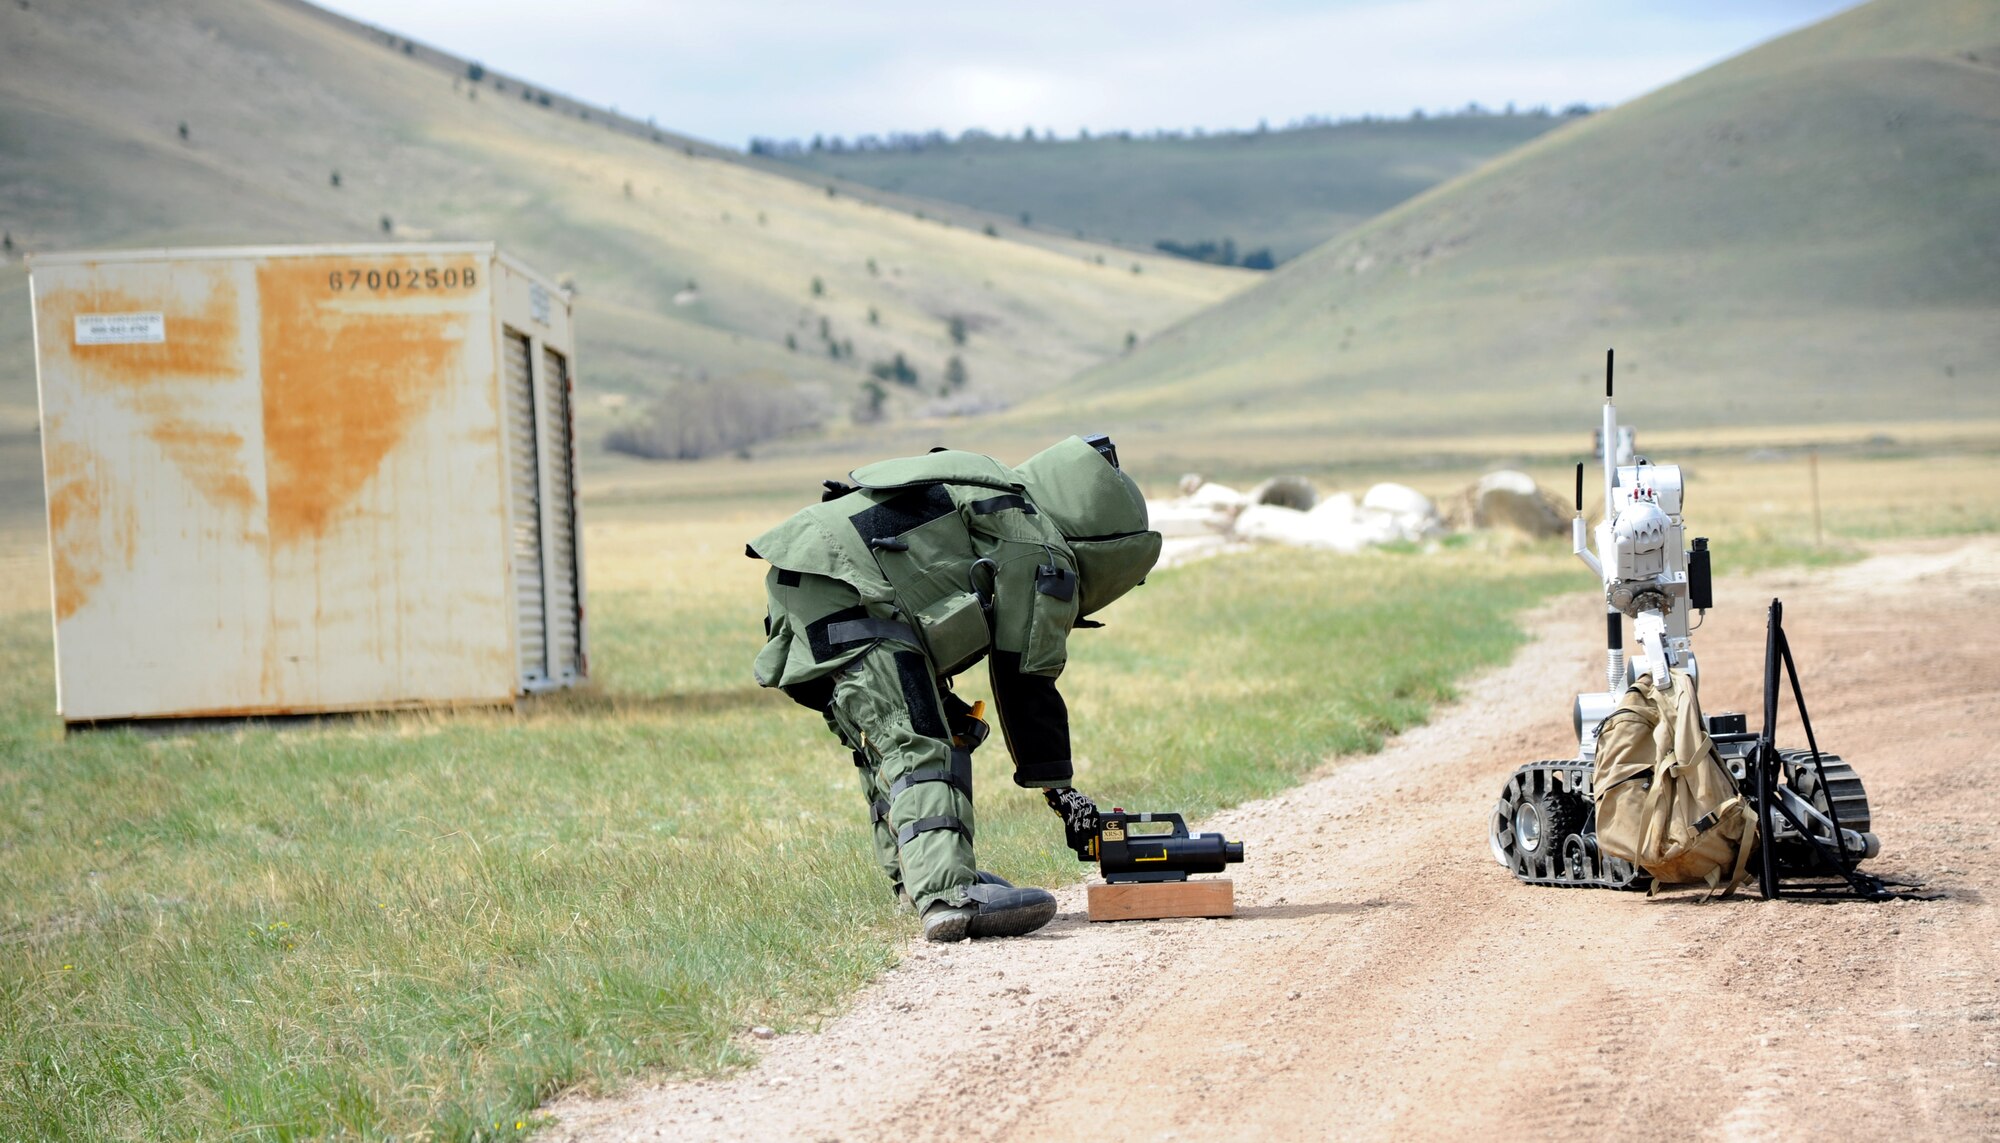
point(1289, 510)
point(1509, 501)
point(1207, 518)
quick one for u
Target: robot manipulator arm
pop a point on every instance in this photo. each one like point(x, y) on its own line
point(1642, 581)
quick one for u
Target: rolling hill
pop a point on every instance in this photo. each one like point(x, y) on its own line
point(1286, 191)
point(1806, 233)
point(689, 266)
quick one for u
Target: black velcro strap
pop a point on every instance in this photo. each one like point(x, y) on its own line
point(993, 504)
point(849, 631)
point(824, 648)
point(1056, 581)
point(925, 825)
point(949, 775)
point(788, 578)
point(908, 509)
point(878, 810)
point(832, 634)
point(920, 695)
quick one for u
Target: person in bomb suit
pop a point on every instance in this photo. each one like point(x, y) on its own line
point(890, 586)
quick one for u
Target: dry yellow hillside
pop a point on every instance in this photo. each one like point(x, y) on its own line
point(689, 267)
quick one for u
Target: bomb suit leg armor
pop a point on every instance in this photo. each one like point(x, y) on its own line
point(883, 705)
point(886, 703)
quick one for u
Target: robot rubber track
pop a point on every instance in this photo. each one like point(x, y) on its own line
point(1544, 830)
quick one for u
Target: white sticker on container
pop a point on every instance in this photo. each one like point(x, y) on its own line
point(538, 303)
point(121, 329)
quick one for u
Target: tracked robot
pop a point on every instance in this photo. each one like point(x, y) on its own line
point(1812, 810)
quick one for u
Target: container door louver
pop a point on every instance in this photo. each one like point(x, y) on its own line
point(565, 632)
point(524, 485)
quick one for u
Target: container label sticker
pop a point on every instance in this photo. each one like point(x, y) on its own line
point(121, 329)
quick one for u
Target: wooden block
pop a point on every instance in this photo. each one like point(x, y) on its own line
point(1157, 900)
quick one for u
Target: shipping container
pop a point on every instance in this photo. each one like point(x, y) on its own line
point(307, 479)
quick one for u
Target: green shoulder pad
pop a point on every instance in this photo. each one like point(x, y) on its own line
point(947, 466)
point(819, 540)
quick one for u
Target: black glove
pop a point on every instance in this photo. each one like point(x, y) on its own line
point(1080, 821)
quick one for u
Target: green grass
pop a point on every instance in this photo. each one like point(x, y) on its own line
point(1287, 191)
point(1804, 234)
point(432, 922)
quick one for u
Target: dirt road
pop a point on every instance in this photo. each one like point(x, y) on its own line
point(1386, 979)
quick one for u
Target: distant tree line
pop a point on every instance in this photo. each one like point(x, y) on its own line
point(1221, 253)
point(911, 142)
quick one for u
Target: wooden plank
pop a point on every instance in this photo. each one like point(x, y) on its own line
point(1157, 900)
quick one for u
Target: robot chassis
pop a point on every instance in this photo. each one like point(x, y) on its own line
point(1812, 810)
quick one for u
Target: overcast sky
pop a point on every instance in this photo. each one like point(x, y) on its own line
point(725, 71)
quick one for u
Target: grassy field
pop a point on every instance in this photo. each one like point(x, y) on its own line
point(1287, 191)
point(421, 925)
point(689, 267)
point(432, 922)
point(1807, 233)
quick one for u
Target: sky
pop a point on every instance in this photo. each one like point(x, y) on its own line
point(790, 69)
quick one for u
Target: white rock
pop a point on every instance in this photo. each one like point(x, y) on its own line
point(1174, 518)
point(1400, 499)
point(1339, 508)
point(1272, 524)
point(1507, 480)
point(1217, 496)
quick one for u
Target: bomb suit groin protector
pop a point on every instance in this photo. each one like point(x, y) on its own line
point(923, 566)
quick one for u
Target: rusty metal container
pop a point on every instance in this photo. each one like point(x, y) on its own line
point(307, 479)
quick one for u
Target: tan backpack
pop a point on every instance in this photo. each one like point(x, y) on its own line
point(1664, 802)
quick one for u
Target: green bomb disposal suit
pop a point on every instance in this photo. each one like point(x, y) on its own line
point(888, 588)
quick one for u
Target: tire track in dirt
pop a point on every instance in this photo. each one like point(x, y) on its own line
point(1384, 978)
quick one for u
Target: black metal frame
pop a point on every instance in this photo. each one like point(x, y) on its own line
point(1764, 763)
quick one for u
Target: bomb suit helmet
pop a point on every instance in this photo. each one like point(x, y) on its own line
point(1101, 513)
